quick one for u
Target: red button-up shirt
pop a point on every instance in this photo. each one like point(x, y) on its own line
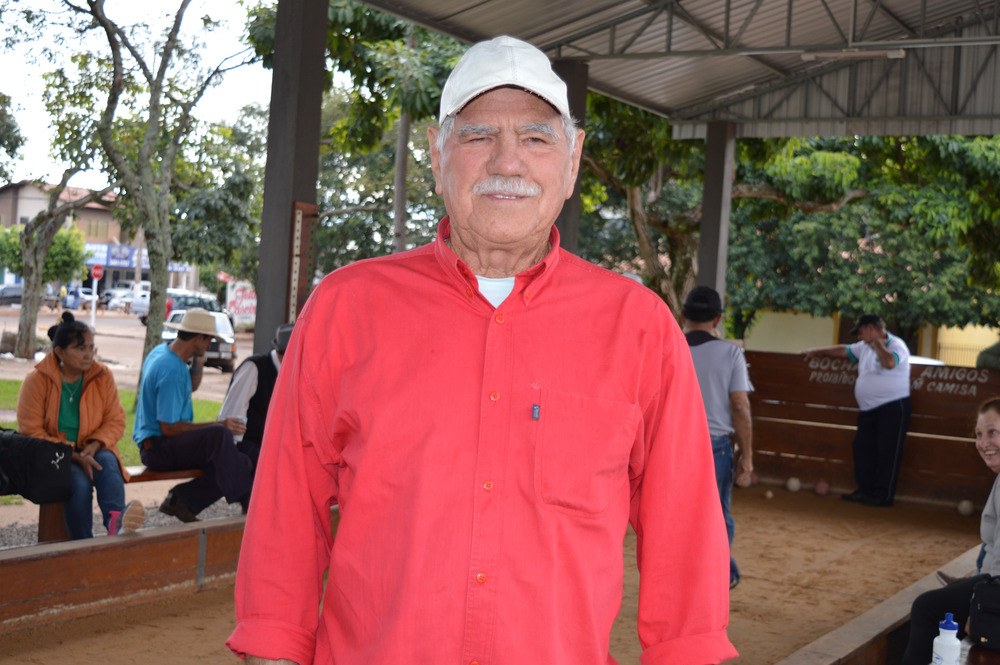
point(486, 463)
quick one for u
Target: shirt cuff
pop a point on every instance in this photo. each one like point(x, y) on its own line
point(272, 640)
point(703, 649)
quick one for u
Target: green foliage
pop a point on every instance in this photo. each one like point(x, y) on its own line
point(394, 67)
point(356, 193)
point(615, 129)
point(852, 261)
point(64, 261)
point(11, 139)
point(807, 174)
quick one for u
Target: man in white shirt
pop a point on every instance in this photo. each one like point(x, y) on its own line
point(883, 394)
point(250, 391)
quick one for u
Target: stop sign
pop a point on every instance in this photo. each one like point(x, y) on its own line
point(97, 271)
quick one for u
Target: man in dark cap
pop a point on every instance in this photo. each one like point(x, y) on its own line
point(725, 387)
point(249, 393)
point(883, 394)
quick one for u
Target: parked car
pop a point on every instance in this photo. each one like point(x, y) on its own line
point(179, 299)
point(10, 294)
point(140, 306)
point(221, 353)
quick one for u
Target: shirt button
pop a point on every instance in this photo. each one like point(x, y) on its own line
point(498, 318)
point(488, 485)
point(468, 292)
point(475, 662)
point(495, 396)
point(527, 295)
point(481, 578)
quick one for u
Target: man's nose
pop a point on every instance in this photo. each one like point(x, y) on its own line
point(507, 157)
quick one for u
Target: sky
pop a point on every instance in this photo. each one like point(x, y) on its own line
point(21, 80)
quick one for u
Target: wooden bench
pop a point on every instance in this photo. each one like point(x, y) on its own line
point(52, 524)
point(805, 415)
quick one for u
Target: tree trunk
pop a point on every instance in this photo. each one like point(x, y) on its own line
point(656, 276)
point(399, 185)
point(35, 245)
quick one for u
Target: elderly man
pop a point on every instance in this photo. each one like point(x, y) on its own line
point(883, 395)
point(489, 412)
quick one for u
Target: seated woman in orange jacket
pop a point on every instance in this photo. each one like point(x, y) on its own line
point(71, 397)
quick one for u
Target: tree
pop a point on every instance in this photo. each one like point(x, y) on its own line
point(10, 138)
point(657, 190)
point(397, 70)
point(218, 196)
point(64, 260)
point(872, 247)
point(144, 121)
point(356, 189)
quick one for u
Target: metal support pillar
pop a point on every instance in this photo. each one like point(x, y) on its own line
point(574, 73)
point(292, 152)
point(713, 244)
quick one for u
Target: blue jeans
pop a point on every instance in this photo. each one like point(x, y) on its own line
point(79, 510)
point(722, 451)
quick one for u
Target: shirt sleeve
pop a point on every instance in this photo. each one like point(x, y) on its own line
point(682, 548)
point(241, 389)
point(739, 381)
point(278, 588)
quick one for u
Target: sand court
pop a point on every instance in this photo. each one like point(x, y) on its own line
point(809, 565)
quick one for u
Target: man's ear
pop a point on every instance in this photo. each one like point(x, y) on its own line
point(432, 134)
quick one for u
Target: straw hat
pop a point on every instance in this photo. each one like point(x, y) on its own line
point(196, 320)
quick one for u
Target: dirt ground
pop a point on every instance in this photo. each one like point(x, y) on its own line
point(809, 564)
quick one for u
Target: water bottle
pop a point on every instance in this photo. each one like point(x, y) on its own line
point(947, 649)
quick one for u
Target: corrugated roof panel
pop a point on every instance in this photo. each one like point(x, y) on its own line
point(765, 89)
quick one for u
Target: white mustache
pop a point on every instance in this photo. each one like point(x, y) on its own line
point(506, 186)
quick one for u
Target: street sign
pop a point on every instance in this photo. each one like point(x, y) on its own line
point(97, 271)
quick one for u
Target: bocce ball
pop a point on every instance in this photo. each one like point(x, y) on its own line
point(965, 507)
point(768, 494)
point(822, 488)
point(793, 484)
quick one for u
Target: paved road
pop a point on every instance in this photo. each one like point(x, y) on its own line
point(119, 338)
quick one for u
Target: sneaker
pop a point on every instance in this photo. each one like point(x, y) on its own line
point(175, 507)
point(132, 518)
point(128, 520)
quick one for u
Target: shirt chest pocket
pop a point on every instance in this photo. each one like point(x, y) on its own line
point(582, 451)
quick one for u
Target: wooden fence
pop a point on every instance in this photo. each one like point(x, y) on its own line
point(805, 414)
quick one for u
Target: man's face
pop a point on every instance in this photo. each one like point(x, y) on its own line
point(205, 342)
point(505, 171)
point(868, 333)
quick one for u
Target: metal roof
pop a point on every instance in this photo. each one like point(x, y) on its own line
point(773, 67)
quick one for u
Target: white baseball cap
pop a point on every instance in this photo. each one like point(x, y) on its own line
point(499, 62)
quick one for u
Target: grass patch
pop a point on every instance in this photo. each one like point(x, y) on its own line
point(205, 410)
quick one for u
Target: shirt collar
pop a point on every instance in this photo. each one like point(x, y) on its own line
point(527, 284)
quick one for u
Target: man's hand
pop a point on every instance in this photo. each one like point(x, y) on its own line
point(744, 470)
point(235, 425)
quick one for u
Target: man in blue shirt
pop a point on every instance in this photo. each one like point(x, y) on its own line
point(168, 440)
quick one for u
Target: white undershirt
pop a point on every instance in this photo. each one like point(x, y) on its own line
point(495, 289)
